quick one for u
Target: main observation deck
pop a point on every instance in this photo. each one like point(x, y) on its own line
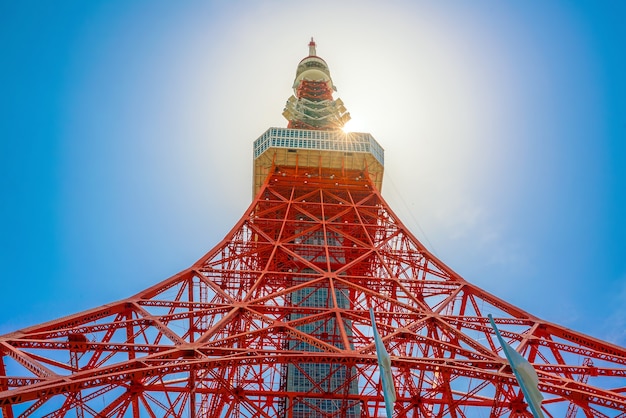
point(313, 149)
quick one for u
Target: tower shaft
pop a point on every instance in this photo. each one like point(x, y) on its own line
point(274, 320)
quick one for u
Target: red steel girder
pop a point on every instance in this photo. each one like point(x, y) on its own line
point(286, 293)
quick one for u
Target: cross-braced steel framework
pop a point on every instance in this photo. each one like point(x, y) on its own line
point(236, 334)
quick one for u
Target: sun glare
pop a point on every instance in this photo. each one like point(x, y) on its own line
point(352, 126)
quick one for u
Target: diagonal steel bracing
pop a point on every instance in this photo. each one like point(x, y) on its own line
point(285, 297)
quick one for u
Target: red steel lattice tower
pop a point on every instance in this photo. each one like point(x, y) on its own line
point(274, 322)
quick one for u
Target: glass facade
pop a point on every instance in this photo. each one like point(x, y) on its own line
point(320, 378)
point(357, 142)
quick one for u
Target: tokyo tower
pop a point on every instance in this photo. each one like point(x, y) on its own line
point(274, 320)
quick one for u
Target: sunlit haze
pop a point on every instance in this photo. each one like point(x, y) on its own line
point(127, 132)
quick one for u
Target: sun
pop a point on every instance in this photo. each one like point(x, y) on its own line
point(352, 126)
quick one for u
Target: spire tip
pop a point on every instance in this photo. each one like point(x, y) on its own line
point(312, 52)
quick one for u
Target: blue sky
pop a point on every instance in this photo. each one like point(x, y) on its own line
point(127, 130)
